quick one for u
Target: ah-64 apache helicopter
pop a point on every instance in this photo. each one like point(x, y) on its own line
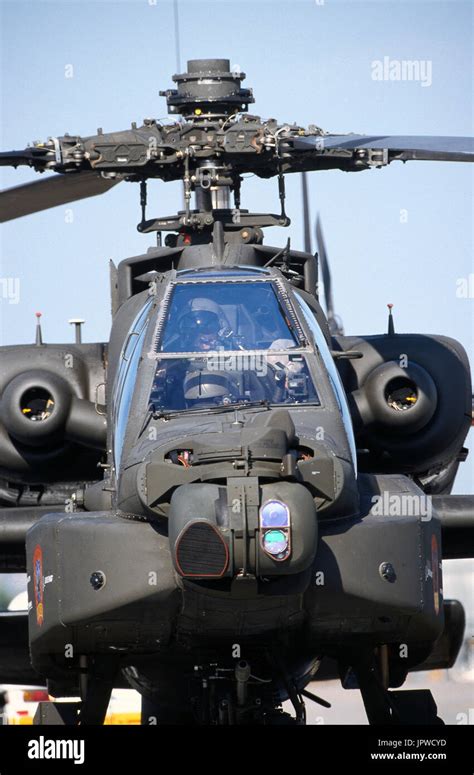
point(274, 499)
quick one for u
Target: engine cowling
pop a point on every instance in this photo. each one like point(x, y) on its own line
point(49, 414)
point(410, 397)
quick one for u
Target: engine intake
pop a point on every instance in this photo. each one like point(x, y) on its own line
point(410, 397)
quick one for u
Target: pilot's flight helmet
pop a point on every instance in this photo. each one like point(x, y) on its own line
point(207, 385)
point(202, 317)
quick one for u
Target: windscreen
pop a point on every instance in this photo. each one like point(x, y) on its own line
point(228, 343)
point(230, 316)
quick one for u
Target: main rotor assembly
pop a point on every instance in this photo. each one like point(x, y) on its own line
point(213, 145)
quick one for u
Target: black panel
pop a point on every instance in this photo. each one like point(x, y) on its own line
point(201, 551)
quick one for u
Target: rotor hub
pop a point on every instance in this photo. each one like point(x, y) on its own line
point(209, 88)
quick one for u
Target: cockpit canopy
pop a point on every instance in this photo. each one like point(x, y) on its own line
point(225, 315)
point(237, 343)
point(217, 340)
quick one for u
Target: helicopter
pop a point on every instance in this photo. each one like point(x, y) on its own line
point(231, 498)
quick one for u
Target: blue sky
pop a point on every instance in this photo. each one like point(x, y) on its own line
point(307, 61)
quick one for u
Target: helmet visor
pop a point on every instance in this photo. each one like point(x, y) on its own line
point(200, 322)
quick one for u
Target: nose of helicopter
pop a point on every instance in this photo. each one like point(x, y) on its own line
point(231, 499)
point(240, 529)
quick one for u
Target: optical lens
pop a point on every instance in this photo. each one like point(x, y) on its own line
point(275, 542)
point(274, 514)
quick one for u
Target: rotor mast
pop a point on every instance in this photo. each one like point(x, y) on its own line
point(209, 92)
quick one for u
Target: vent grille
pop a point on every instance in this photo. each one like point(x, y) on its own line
point(201, 551)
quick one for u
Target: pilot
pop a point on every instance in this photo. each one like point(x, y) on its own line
point(208, 388)
point(268, 323)
point(204, 327)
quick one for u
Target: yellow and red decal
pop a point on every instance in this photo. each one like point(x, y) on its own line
point(38, 584)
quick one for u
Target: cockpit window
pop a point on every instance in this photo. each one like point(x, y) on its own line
point(225, 315)
point(229, 343)
point(333, 375)
point(126, 378)
point(230, 378)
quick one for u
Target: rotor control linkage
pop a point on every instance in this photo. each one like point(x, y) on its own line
point(215, 136)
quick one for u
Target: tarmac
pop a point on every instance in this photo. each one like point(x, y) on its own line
point(453, 691)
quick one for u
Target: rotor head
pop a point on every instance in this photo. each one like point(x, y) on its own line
point(208, 88)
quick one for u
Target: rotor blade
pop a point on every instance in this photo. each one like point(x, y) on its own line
point(335, 325)
point(404, 147)
point(30, 156)
point(51, 192)
point(306, 220)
